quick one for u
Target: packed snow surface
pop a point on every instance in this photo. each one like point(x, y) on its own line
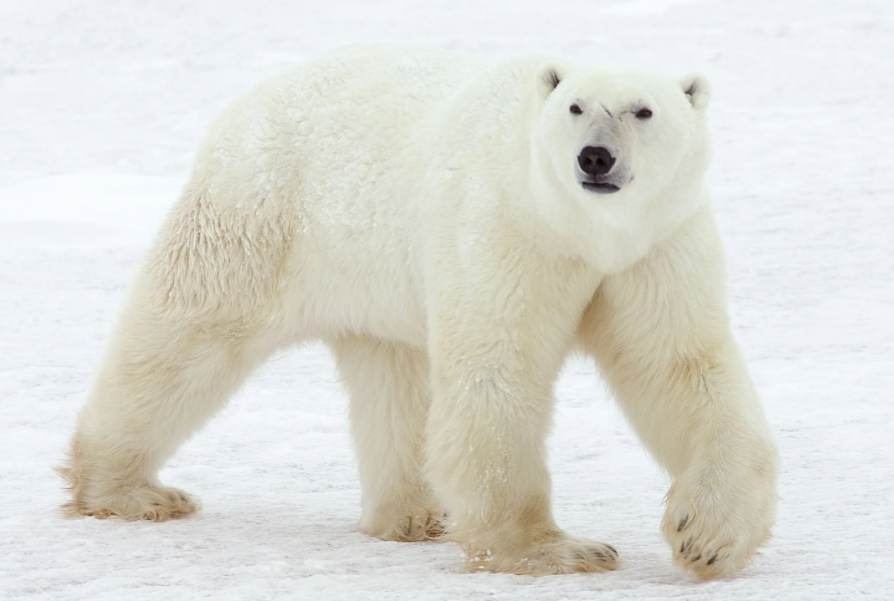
point(101, 107)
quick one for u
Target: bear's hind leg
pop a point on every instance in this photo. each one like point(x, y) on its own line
point(388, 384)
point(205, 309)
point(161, 379)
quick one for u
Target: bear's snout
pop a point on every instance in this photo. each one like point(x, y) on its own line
point(595, 160)
point(596, 163)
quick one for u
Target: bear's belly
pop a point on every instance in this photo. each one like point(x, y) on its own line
point(366, 285)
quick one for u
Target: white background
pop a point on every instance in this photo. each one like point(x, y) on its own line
point(101, 107)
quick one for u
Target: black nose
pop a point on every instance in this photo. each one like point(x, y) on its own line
point(595, 160)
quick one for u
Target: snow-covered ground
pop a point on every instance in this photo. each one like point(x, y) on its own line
point(101, 106)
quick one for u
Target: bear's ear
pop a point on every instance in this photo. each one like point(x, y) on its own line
point(697, 89)
point(548, 77)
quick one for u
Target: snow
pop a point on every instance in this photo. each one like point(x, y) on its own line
point(102, 106)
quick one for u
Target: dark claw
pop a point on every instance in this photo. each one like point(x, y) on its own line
point(683, 523)
point(686, 544)
point(588, 555)
point(406, 528)
point(697, 557)
point(712, 560)
point(612, 549)
point(582, 556)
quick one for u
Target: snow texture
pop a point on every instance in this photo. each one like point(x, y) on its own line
point(101, 107)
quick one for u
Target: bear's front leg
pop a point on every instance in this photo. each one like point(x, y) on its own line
point(498, 340)
point(661, 336)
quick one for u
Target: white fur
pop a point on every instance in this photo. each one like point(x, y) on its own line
point(422, 213)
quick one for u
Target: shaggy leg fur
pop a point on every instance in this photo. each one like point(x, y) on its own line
point(390, 396)
point(162, 378)
point(494, 365)
point(200, 316)
point(661, 336)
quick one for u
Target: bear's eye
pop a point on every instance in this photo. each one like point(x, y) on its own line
point(575, 109)
point(643, 113)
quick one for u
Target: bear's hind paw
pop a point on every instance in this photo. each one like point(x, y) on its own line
point(153, 503)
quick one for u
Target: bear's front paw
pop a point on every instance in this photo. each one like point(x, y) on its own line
point(716, 531)
point(562, 556)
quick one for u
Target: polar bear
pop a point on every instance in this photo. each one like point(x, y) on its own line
point(453, 228)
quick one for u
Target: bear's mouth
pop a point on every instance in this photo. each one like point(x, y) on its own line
point(600, 187)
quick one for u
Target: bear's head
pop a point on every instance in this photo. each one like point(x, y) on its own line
point(627, 148)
